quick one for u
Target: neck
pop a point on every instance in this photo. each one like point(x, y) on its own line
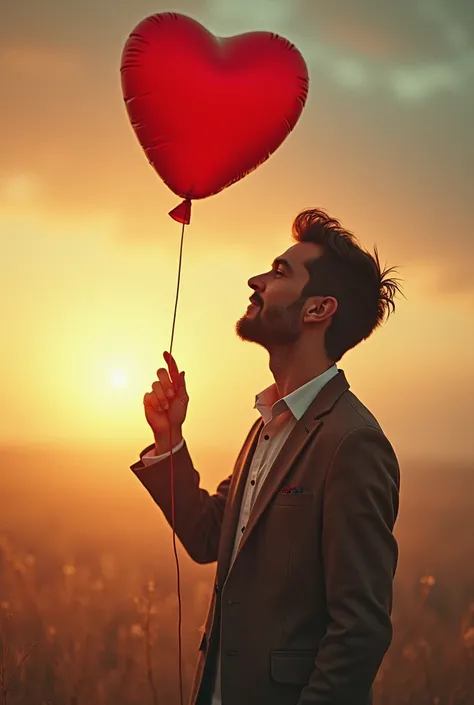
point(293, 367)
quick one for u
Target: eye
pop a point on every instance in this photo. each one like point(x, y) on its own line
point(280, 271)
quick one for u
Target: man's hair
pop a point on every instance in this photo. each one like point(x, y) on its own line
point(350, 274)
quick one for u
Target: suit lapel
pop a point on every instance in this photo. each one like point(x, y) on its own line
point(285, 460)
point(234, 500)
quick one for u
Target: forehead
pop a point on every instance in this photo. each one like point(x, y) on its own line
point(300, 253)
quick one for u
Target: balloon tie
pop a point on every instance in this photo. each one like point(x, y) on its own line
point(182, 213)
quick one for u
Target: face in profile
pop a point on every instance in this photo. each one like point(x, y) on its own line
point(275, 316)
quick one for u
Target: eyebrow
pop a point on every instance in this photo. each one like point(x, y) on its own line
point(284, 263)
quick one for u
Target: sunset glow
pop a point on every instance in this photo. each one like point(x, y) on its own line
point(90, 256)
point(118, 378)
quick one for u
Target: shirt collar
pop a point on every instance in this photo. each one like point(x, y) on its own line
point(269, 405)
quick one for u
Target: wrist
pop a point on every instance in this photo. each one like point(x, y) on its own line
point(163, 444)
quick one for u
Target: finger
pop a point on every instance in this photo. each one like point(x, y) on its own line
point(159, 393)
point(152, 402)
point(166, 383)
point(173, 368)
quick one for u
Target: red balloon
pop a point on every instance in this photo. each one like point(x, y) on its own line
point(209, 110)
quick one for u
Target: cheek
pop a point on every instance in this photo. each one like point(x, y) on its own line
point(282, 292)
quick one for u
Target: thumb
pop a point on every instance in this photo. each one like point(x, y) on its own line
point(181, 383)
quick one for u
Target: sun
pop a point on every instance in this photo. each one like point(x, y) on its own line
point(118, 378)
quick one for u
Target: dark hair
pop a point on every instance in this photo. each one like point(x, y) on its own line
point(350, 274)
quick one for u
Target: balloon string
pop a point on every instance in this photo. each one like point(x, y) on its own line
point(172, 488)
point(177, 289)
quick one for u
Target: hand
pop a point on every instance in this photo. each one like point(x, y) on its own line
point(168, 402)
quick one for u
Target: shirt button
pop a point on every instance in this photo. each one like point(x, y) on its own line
point(242, 529)
point(252, 482)
point(267, 437)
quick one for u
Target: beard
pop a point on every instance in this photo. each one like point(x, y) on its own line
point(272, 326)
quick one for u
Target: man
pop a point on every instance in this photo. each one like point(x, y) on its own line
point(302, 530)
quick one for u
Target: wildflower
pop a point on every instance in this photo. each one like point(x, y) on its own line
point(136, 630)
point(427, 582)
point(69, 569)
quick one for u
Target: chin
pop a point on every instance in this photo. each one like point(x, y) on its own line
point(246, 330)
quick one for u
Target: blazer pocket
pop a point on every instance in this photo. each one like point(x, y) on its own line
point(292, 667)
point(293, 499)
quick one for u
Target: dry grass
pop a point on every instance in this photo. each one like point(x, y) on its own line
point(88, 606)
point(83, 631)
point(76, 632)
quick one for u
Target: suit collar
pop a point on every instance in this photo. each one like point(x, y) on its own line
point(327, 397)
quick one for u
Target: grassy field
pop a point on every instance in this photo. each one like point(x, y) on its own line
point(88, 607)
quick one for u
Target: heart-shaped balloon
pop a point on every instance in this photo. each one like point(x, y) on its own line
point(209, 110)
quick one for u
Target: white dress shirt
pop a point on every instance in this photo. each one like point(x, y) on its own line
point(279, 416)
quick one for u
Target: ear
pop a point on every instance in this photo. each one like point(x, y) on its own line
point(320, 308)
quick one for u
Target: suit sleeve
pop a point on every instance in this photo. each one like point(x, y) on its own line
point(360, 555)
point(149, 459)
point(198, 515)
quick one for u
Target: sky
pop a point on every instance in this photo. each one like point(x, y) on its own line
point(89, 255)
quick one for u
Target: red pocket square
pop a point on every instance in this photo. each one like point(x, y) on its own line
point(292, 489)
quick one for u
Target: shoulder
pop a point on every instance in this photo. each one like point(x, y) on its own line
point(349, 415)
point(351, 428)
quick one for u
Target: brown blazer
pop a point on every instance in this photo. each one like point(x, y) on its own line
point(304, 613)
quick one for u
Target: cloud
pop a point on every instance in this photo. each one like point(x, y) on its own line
point(250, 15)
point(412, 49)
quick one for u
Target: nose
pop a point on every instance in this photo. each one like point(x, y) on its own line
point(256, 283)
